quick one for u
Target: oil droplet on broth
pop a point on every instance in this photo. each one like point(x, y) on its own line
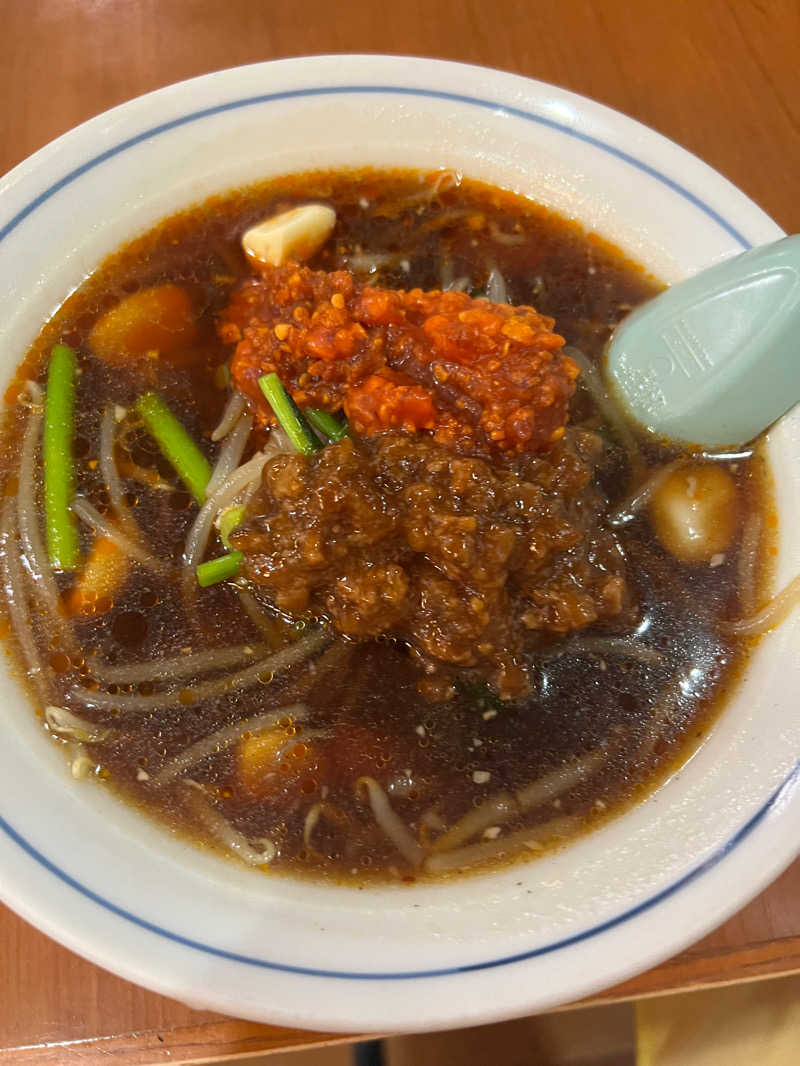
point(129, 628)
point(60, 662)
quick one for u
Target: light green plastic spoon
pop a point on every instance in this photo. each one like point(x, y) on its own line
point(715, 359)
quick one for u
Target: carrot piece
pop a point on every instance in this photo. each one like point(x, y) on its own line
point(262, 773)
point(159, 320)
point(103, 575)
point(257, 758)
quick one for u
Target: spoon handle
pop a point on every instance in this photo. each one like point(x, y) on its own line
point(715, 359)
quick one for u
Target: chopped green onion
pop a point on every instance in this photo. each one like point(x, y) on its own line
point(326, 423)
point(228, 521)
point(59, 467)
point(221, 569)
point(187, 460)
point(289, 416)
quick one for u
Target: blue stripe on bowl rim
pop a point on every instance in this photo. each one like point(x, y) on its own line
point(711, 861)
point(405, 975)
point(343, 90)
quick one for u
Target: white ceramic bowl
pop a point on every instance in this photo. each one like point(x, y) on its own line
point(112, 886)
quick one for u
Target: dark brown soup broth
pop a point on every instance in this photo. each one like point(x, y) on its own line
point(639, 690)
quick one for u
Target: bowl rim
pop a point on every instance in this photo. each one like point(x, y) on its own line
point(761, 820)
point(355, 88)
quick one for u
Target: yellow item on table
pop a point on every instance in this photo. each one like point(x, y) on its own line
point(752, 1024)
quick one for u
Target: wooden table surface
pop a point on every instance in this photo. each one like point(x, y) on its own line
point(721, 78)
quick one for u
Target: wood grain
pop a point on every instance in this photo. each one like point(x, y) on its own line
point(721, 78)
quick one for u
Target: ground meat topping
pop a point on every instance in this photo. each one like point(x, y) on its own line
point(479, 376)
point(469, 563)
